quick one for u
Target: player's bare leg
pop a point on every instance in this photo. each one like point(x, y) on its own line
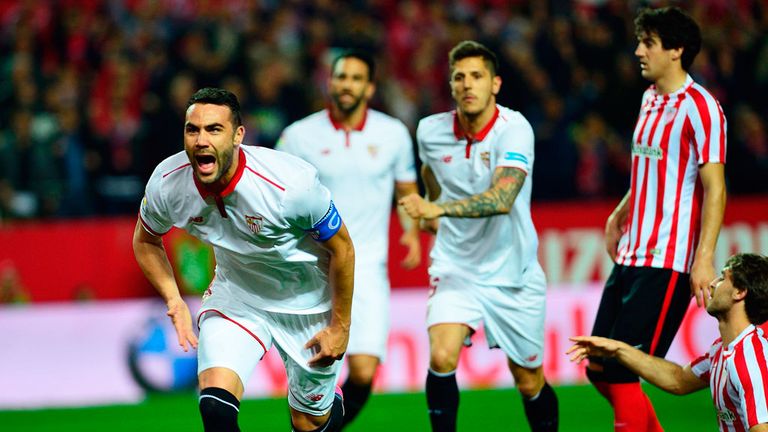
point(220, 394)
point(539, 400)
point(357, 388)
point(445, 343)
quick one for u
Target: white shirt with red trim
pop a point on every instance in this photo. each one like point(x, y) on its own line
point(360, 167)
point(675, 135)
point(738, 379)
point(493, 250)
point(258, 227)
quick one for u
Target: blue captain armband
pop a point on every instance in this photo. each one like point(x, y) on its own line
point(328, 225)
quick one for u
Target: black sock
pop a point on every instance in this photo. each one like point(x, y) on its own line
point(542, 411)
point(219, 409)
point(442, 400)
point(355, 396)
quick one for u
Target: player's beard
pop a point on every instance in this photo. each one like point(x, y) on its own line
point(348, 108)
point(223, 164)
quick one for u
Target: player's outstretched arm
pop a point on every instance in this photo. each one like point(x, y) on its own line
point(703, 269)
point(759, 428)
point(410, 238)
point(614, 226)
point(153, 261)
point(331, 342)
point(664, 374)
point(498, 199)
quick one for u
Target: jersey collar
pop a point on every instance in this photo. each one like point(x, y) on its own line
point(339, 126)
point(218, 191)
point(744, 333)
point(480, 135)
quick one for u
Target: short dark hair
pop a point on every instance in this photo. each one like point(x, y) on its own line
point(750, 272)
point(359, 54)
point(470, 48)
point(218, 96)
point(675, 28)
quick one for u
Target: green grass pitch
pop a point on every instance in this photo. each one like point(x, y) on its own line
point(581, 410)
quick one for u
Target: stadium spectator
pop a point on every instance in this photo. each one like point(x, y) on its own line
point(477, 164)
point(734, 367)
point(284, 273)
point(364, 157)
point(662, 235)
point(544, 45)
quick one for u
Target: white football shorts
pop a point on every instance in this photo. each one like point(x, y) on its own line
point(237, 337)
point(370, 312)
point(513, 316)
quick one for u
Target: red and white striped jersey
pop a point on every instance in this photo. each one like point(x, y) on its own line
point(675, 135)
point(738, 379)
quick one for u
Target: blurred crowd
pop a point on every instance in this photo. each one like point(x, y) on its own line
point(92, 92)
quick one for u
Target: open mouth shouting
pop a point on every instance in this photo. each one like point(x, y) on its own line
point(206, 164)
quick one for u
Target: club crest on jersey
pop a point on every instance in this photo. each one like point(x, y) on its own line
point(325, 152)
point(254, 223)
point(447, 158)
point(373, 150)
point(486, 158)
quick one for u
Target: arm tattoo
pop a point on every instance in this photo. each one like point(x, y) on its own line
point(498, 199)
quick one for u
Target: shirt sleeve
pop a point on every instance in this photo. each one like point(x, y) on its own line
point(515, 146)
point(700, 367)
point(752, 374)
point(153, 212)
point(405, 165)
point(288, 141)
point(309, 207)
point(709, 128)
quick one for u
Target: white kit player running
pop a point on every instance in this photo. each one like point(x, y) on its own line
point(736, 366)
point(477, 163)
point(363, 156)
point(284, 272)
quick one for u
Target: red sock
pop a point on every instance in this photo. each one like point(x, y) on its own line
point(653, 421)
point(632, 411)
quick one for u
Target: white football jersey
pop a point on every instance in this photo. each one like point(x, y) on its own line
point(494, 250)
point(258, 226)
point(360, 167)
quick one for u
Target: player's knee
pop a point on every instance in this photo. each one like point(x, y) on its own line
point(443, 360)
point(530, 387)
point(362, 372)
point(362, 377)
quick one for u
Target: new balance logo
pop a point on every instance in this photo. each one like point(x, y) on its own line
point(195, 220)
point(314, 397)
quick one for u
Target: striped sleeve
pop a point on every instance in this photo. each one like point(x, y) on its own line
point(752, 376)
point(701, 365)
point(709, 126)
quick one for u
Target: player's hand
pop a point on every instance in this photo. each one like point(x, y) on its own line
point(329, 345)
point(412, 241)
point(613, 232)
point(702, 274)
point(418, 207)
point(592, 346)
point(178, 311)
